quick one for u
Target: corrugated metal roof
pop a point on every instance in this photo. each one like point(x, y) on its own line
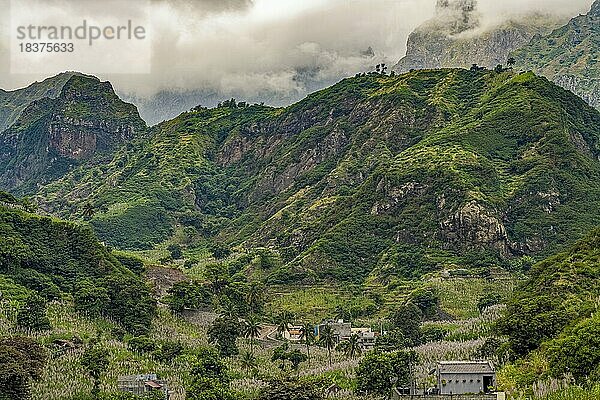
point(465, 367)
point(153, 384)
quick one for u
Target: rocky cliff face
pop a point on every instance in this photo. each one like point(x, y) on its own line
point(569, 55)
point(85, 122)
point(455, 38)
point(81, 139)
point(586, 88)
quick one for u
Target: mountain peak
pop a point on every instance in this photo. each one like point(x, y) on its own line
point(87, 86)
point(568, 56)
point(64, 121)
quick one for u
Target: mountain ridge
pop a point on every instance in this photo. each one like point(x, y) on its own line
point(456, 38)
point(54, 134)
point(568, 55)
point(14, 102)
point(434, 159)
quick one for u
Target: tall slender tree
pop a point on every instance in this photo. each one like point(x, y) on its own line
point(352, 347)
point(327, 339)
point(255, 297)
point(284, 320)
point(308, 335)
point(95, 362)
point(248, 361)
point(88, 211)
point(251, 330)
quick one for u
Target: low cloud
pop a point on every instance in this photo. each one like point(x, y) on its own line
point(245, 47)
point(279, 50)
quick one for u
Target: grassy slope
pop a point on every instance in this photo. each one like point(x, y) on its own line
point(64, 252)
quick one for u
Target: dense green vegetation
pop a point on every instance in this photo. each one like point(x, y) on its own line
point(378, 177)
point(48, 259)
point(410, 196)
point(552, 320)
point(21, 361)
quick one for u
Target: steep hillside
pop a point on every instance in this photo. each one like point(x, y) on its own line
point(382, 175)
point(454, 38)
point(13, 103)
point(52, 257)
point(561, 290)
point(569, 56)
point(172, 178)
point(554, 314)
point(53, 135)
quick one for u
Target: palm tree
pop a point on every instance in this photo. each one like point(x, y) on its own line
point(352, 346)
point(88, 211)
point(308, 335)
point(248, 361)
point(251, 330)
point(255, 297)
point(340, 313)
point(327, 339)
point(227, 309)
point(284, 319)
point(511, 61)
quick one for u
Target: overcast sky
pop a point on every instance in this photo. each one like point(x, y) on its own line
point(248, 46)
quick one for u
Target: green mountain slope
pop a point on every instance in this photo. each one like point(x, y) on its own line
point(13, 103)
point(554, 314)
point(377, 175)
point(560, 291)
point(53, 135)
point(54, 258)
point(569, 55)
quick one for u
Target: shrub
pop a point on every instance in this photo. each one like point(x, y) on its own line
point(407, 319)
point(21, 361)
point(488, 300)
point(377, 372)
point(141, 344)
point(32, 314)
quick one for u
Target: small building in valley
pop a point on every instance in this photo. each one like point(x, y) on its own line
point(456, 380)
point(460, 377)
point(142, 384)
point(341, 330)
point(294, 333)
point(366, 337)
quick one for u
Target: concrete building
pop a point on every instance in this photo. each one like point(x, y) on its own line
point(397, 395)
point(294, 334)
point(465, 377)
point(366, 337)
point(342, 330)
